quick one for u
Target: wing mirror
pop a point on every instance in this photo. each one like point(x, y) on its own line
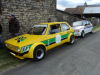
point(86, 24)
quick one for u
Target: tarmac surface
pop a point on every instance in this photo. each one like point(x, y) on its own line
point(81, 58)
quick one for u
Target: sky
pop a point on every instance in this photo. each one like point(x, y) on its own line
point(62, 4)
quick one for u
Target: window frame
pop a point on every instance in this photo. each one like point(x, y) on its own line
point(66, 25)
point(54, 29)
point(88, 23)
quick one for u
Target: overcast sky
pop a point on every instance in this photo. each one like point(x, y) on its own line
point(62, 4)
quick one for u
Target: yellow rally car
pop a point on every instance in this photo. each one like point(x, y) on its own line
point(40, 38)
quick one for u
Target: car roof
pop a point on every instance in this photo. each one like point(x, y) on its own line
point(82, 20)
point(49, 23)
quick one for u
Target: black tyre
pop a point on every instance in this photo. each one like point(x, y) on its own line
point(39, 53)
point(82, 34)
point(72, 40)
point(91, 31)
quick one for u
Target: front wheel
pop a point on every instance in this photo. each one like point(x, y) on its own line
point(82, 34)
point(72, 40)
point(39, 53)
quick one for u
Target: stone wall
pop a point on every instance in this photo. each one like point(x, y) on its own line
point(63, 16)
point(28, 13)
point(95, 21)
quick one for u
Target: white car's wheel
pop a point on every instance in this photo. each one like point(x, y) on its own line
point(82, 34)
point(91, 31)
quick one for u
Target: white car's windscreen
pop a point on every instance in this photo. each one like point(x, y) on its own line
point(78, 23)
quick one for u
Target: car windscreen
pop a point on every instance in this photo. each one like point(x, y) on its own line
point(78, 23)
point(38, 30)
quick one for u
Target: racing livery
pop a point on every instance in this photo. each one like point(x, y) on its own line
point(82, 27)
point(40, 38)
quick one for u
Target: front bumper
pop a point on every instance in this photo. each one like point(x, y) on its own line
point(77, 33)
point(18, 55)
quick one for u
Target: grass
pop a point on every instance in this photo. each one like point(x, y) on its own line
point(95, 28)
point(7, 61)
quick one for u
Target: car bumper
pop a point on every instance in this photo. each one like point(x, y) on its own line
point(18, 55)
point(77, 33)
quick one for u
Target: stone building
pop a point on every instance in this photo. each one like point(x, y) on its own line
point(30, 12)
point(90, 12)
point(64, 16)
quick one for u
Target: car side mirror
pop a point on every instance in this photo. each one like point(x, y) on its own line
point(85, 24)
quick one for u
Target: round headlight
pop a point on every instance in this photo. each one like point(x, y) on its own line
point(18, 49)
point(6, 44)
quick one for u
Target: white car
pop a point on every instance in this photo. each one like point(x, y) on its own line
point(82, 27)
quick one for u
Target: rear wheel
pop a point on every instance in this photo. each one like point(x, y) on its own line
point(72, 40)
point(82, 34)
point(39, 53)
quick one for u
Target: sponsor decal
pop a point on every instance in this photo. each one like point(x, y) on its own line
point(20, 39)
point(88, 27)
point(26, 48)
point(57, 39)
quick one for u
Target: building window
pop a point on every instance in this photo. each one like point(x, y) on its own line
point(0, 7)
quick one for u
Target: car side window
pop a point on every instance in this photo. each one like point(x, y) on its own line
point(88, 23)
point(85, 23)
point(65, 27)
point(56, 28)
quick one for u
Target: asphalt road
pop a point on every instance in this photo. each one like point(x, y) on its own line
point(81, 58)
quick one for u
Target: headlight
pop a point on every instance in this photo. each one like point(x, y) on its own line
point(26, 48)
point(6, 45)
point(18, 49)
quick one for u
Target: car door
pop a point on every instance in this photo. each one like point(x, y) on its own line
point(54, 36)
point(85, 27)
point(65, 32)
point(89, 26)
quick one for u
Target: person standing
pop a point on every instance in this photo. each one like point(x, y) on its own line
point(13, 26)
point(1, 45)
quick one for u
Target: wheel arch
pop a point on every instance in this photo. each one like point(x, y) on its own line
point(70, 39)
point(42, 46)
point(83, 31)
point(71, 34)
point(31, 51)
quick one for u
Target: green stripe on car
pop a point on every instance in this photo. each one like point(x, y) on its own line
point(53, 40)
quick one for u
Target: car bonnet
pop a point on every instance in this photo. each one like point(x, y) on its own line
point(25, 39)
point(78, 27)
